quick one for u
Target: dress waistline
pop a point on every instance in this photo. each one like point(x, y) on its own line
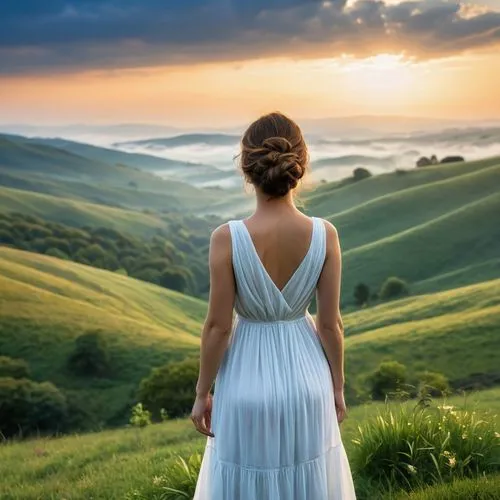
point(243, 319)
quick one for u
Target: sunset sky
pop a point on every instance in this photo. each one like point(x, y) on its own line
point(219, 62)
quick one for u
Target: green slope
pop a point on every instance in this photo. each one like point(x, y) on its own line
point(462, 238)
point(78, 213)
point(45, 303)
point(402, 210)
point(453, 332)
point(337, 197)
point(117, 184)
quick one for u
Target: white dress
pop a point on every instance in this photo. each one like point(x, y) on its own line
point(273, 415)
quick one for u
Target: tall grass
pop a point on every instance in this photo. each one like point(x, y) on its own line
point(405, 448)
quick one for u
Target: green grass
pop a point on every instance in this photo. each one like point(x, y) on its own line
point(462, 238)
point(484, 488)
point(45, 303)
point(433, 227)
point(109, 464)
point(336, 197)
point(455, 333)
point(79, 213)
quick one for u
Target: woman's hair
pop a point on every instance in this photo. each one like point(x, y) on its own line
point(274, 154)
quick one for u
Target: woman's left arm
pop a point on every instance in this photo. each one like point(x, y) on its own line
point(218, 324)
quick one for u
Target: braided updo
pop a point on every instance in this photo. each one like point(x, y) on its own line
point(274, 154)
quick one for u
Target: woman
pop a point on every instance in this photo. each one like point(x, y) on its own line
point(273, 423)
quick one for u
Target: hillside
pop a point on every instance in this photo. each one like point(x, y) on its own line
point(79, 213)
point(45, 303)
point(109, 464)
point(433, 227)
point(45, 168)
point(186, 140)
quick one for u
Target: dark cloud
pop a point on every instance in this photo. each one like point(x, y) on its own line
point(66, 35)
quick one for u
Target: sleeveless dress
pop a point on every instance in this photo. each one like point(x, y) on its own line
point(273, 413)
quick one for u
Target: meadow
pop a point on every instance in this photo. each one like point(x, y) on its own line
point(109, 464)
point(435, 228)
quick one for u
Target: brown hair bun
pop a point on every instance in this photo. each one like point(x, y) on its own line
point(274, 154)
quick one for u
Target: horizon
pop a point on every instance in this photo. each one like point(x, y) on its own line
point(218, 65)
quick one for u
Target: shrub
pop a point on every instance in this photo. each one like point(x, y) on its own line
point(408, 448)
point(361, 294)
point(178, 482)
point(140, 416)
point(434, 384)
point(389, 378)
point(171, 387)
point(90, 356)
point(14, 368)
point(27, 407)
point(392, 288)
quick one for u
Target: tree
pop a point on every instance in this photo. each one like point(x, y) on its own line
point(389, 377)
point(424, 162)
point(452, 159)
point(14, 368)
point(170, 387)
point(361, 173)
point(361, 294)
point(392, 288)
point(28, 407)
point(90, 356)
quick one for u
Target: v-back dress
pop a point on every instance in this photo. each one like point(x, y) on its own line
point(273, 413)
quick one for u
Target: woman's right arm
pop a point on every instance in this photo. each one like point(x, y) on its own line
point(328, 318)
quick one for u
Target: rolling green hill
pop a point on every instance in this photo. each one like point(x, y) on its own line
point(333, 198)
point(434, 227)
point(78, 213)
point(45, 303)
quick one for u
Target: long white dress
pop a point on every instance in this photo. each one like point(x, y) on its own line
point(273, 415)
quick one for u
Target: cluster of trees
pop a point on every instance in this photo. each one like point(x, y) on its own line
point(424, 161)
point(30, 407)
point(176, 260)
point(392, 288)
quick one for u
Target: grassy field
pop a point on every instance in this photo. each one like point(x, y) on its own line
point(108, 464)
point(79, 213)
point(45, 303)
point(433, 227)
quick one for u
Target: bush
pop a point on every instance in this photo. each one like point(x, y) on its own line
point(171, 387)
point(178, 482)
point(14, 368)
point(389, 378)
point(393, 288)
point(90, 356)
point(27, 407)
point(407, 448)
point(140, 416)
point(433, 384)
point(361, 294)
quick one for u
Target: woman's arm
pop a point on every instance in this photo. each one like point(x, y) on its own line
point(328, 318)
point(218, 324)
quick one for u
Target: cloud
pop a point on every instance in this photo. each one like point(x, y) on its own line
point(59, 35)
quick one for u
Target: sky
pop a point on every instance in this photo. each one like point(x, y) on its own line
point(221, 62)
